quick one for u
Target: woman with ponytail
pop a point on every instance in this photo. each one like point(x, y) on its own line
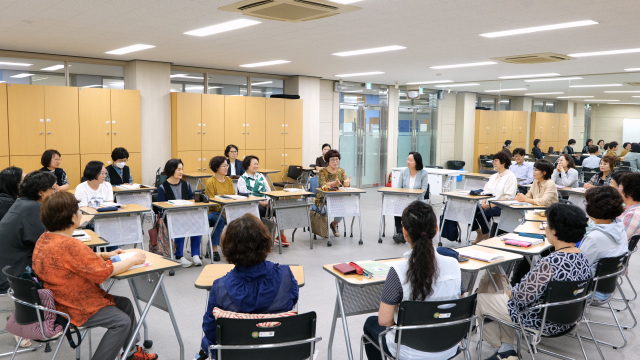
point(425, 275)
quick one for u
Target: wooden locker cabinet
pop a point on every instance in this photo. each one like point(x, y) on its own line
point(275, 161)
point(71, 165)
point(4, 162)
point(125, 120)
point(61, 119)
point(191, 160)
point(4, 126)
point(94, 110)
point(520, 127)
point(487, 126)
point(135, 166)
point(213, 122)
point(505, 127)
point(85, 158)
point(255, 115)
point(207, 155)
point(293, 124)
point(25, 105)
point(27, 163)
point(186, 122)
point(235, 121)
point(274, 123)
point(538, 128)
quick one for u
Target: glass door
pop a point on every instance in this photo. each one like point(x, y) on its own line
point(416, 133)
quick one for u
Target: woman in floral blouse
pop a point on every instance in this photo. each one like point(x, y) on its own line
point(566, 226)
point(334, 176)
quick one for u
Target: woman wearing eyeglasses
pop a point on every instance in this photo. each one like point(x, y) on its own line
point(235, 165)
point(334, 176)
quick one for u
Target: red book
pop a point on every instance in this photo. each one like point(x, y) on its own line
point(345, 268)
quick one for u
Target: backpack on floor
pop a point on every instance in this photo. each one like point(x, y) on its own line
point(159, 242)
point(319, 224)
point(450, 229)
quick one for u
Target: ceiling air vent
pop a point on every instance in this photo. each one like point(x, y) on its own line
point(534, 58)
point(289, 10)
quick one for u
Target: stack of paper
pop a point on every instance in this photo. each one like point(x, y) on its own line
point(463, 192)
point(234, 197)
point(374, 269)
point(292, 189)
point(532, 241)
point(515, 203)
point(81, 235)
point(179, 202)
point(110, 204)
point(129, 186)
point(479, 255)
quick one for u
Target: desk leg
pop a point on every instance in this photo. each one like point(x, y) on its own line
point(308, 210)
point(143, 313)
point(345, 326)
point(333, 326)
point(472, 282)
point(328, 212)
point(382, 222)
point(215, 226)
point(270, 183)
point(360, 224)
point(199, 183)
point(173, 319)
point(278, 233)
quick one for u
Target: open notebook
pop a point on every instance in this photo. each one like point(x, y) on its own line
point(479, 255)
point(123, 256)
point(525, 239)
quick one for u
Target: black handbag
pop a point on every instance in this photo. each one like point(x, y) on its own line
point(160, 178)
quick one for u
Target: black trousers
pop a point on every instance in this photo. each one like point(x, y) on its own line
point(373, 329)
point(398, 221)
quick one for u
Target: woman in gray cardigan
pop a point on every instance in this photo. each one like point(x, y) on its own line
point(414, 176)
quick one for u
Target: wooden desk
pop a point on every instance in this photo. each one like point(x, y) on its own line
point(266, 173)
point(213, 272)
point(576, 196)
point(86, 219)
point(248, 199)
point(120, 227)
point(461, 208)
point(352, 299)
point(165, 205)
point(291, 210)
point(346, 203)
point(147, 285)
point(531, 227)
point(234, 209)
point(531, 216)
point(531, 254)
point(118, 189)
point(394, 201)
point(308, 172)
point(474, 266)
point(124, 210)
point(198, 175)
point(513, 215)
point(96, 240)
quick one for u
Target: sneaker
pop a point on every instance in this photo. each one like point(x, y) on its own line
point(185, 263)
point(505, 355)
point(196, 260)
point(216, 256)
point(142, 354)
point(399, 239)
point(285, 243)
point(336, 231)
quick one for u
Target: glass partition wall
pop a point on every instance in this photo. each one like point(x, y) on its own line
point(417, 126)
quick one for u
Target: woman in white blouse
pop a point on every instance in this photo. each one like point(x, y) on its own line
point(565, 173)
point(503, 185)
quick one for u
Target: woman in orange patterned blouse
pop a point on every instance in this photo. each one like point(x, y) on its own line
point(334, 176)
point(73, 272)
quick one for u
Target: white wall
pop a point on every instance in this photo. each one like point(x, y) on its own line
point(309, 90)
point(445, 143)
point(326, 119)
point(578, 129)
point(153, 81)
point(606, 121)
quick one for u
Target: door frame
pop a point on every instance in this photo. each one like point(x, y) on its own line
point(414, 128)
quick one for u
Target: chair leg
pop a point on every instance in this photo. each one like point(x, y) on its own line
point(617, 324)
point(16, 349)
point(591, 332)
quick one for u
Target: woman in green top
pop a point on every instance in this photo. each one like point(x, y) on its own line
point(333, 176)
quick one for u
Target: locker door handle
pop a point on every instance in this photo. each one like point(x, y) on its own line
point(204, 132)
point(114, 133)
point(198, 132)
point(287, 132)
point(41, 132)
point(107, 133)
point(283, 133)
point(49, 133)
point(247, 133)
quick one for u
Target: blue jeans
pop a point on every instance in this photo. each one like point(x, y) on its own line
point(373, 329)
point(195, 246)
point(217, 232)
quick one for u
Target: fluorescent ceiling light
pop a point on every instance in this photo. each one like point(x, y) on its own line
point(195, 87)
point(14, 64)
point(527, 76)
point(609, 52)
point(23, 75)
point(622, 92)
point(600, 85)
point(430, 82)
point(600, 100)
point(262, 83)
point(370, 51)
point(2, 82)
point(518, 89)
point(636, 96)
point(539, 28)
point(623, 103)
point(504, 101)
point(130, 49)
point(266, 63)
point(227, 26)
point(455, 85)
point(352, 91)
point(92, 86)
point(214, 87)
point(632, 69)
point(53, 68)
point(549, 93)
point(555, 79)
point(361, 74)
point(463, 65)
point(488, 101)
point(574, 97)
point(186, 76)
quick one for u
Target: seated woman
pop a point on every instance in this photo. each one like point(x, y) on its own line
point(218, 184)
point(119, 173)
point(253, 183)
point(425, 275)
point(566, 226)
point(414, 176)
point(95, 190)
point(565, 173)
point(10, 179)
point(320, 163)
point(585, 149)
point(615, 178)
point(234, 165)
point(174, 188)
point(543, 191)
point(334, 176)
point(601, 149)
point(607, 237)
point(630, 190)
point(255, 285)
point(633, 157)
point(507, 147)
point(569, 148)
point(50, 161)
point(626, 148)
point(503, 185)
point(613, 147)
point(603, 178)
point(537, 153)
point(73, 272)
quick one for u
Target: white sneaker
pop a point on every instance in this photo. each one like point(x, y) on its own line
point(186, 263)
point(196, 260)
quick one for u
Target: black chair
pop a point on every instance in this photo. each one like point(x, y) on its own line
point(294, 173)
point(433, 167)
point(240, 339)
point(588, 174)
point(422, 327)
point(490, 172)
point(633, 247)
point(608, 271)
point(564, 201)
point(29, 310)
point(564, 303)
point(551, 150)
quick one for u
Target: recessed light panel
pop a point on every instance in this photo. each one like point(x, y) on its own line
point(456, 85)
point(574, 97)
point(549, 93)
point(130, 49)
point(609, 52)
point(632, 69)
point(528, 76)
point(502, 90)
point(555, 79)
point(53, 68)
point(227, 26)
point(599, 85)
point(463, 65)
point(267, 63)
point(539, 28)
point(622, 92)
point(14, 64)
point(430, 82)
point(23, 75)
point(361, 74)
point(370, 51)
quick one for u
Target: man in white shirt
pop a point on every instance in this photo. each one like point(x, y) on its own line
point(521, 169)
point(593, 161)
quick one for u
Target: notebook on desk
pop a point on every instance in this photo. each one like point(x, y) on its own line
point(480, 255)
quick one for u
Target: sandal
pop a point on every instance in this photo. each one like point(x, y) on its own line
point(24, 343)
point(335, 230)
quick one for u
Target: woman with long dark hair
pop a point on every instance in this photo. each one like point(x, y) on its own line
point(585, 149)
point(425, 275)
point(10, 180)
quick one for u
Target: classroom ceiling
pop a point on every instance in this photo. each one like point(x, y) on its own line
point(434, 32)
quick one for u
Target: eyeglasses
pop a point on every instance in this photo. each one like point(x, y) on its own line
point(104, 173)
point(233, 152)
point(334, 160)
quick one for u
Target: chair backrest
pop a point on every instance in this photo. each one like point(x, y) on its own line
point(440, 338)
point(623, 163)
point(246, 332)
point(607, 272)
point(313, 185)
point(550, 149)
point(294, 172)
point(312, 166)
point(580, 184)
point(587, 175)
point(574, 292)
point(24, 290)
point(564, 201)
point(491, 172)
point(486, 157)
point(633, 243)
